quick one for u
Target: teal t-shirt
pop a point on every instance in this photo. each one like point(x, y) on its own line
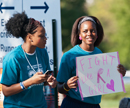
point(68, 69)
point(16, 69)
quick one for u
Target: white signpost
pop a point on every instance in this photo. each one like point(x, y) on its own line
point(8, 42)
point(98, 74)
point(42, 10)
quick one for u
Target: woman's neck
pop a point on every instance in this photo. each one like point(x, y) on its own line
point(87, 47)
point(28, 48)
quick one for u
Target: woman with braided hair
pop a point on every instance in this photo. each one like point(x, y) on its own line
point(23, 75)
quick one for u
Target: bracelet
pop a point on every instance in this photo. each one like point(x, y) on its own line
point(65, 88)
point(22, 86)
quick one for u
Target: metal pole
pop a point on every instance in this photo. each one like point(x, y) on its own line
point(55, 58)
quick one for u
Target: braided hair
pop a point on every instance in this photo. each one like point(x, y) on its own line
point(20, 25)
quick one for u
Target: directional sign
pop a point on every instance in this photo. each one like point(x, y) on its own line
point(8, 42)
point(44, 11)
point(41, 7)
point(9, 8)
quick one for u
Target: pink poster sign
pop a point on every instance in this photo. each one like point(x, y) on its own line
point(98, 74)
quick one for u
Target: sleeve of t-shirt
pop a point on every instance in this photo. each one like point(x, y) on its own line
point(64, 70)
point(10, 72)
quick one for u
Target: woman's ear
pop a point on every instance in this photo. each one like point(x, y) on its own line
point(29, 36)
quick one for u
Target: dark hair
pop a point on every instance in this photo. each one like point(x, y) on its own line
point(75, 31)
point(124, 103)
point(20, 25)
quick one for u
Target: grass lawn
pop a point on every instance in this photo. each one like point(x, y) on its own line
point(109, 104)
point(112, 100)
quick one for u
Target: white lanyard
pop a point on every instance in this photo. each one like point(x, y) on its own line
point(30, 63)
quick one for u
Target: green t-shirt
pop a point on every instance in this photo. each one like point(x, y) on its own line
point(16, 69)
point(68, 69)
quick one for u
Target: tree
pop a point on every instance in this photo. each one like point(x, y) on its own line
point(70, 11)
point(120, 11)
point(115, 18)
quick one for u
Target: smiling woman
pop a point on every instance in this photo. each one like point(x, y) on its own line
point(87, 34)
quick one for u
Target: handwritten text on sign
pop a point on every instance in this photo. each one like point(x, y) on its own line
point(98, 74)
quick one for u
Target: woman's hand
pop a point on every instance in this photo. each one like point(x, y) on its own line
point(121, 69)
point(52, 81)
point(72, 82)
point(39, 77)
point(65, 87)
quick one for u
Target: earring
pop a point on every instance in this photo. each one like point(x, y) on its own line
point(80, 38)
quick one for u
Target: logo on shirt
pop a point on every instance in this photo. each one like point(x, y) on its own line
point(31, 72)
point(28, 68)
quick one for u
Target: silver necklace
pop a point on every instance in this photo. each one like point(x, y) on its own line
point(30, 63)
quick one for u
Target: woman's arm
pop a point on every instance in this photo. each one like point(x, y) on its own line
point(61, 89)
point(15, 88)
point(65, 87)
point(38, 78)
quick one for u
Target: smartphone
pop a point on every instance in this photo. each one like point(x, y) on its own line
point(48, 72)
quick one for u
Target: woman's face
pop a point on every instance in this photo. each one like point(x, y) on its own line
point(39, 38)
point(88, 33)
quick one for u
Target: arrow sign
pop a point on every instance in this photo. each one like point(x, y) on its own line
point(41, 7)
point(9, 8)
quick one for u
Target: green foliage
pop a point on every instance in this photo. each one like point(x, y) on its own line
point(121, 12)
point(115, 18)
point(70, 11)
